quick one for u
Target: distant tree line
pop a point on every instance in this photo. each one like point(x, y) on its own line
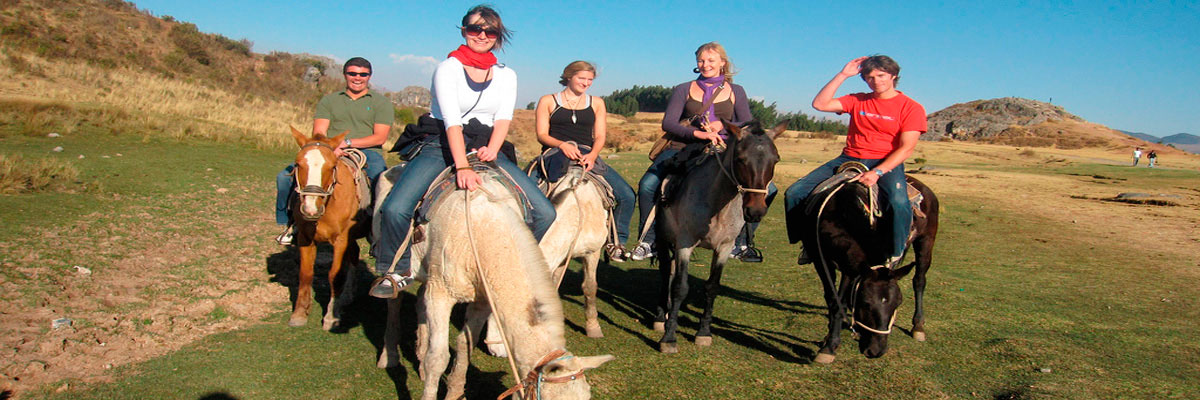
point(654, 99)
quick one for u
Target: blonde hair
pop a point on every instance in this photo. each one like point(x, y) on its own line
point(715, 47)
point(573, 68)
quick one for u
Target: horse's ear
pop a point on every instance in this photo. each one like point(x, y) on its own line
point(300, 138)
point(902, 271)
point(779, 128)
point(594, 361)
point(338, 139)
point(735, 130)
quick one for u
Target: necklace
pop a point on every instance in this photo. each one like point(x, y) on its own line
point(571, 104)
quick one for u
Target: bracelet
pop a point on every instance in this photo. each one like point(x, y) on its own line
point(463, 168)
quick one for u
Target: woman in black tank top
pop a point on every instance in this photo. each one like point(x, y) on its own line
point(574, 123)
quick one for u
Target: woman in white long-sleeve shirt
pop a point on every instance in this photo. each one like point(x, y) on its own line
point(473, 108)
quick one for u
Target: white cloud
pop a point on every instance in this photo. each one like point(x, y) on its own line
point(424, 64)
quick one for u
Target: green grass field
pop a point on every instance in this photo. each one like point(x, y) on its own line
point(1017, 306)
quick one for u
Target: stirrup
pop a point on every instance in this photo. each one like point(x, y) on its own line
point(803, 258)
point(286, 238)
point(616, 253)
point(750, 254)
point(388, 287)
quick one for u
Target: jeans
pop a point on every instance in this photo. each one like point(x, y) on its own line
point(892, 184)
point(648, 193)
point(396, 212)
point(623, 211)
point(285, 184)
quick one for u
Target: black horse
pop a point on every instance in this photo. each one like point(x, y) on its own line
point(847, 238)
point(712, 202)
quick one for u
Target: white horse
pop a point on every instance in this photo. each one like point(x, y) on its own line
point(580, 230)
point(477, 250)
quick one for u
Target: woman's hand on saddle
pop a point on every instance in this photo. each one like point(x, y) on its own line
point(588, 161)
point(467, 179)
point(570, 150)
point(485, 154)
point(714, 137)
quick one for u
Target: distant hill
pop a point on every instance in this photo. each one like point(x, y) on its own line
point(1144, 136)
point(1182, 138)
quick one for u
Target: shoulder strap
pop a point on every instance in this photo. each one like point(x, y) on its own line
point(708, 103)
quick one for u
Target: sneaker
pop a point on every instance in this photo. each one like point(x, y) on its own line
point(748, 254)
point(642, 252)
point(803, 259)
point(616, 253)
point(286, 237)
point(389, 286)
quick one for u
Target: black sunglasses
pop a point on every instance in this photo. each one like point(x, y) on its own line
point(362, 74)
point(476, 29)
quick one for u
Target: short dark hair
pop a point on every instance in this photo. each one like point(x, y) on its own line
point(880, 62)
point(356, 62)
point(492, 19)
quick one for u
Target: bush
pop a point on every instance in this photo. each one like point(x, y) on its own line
point(21, 66)
point(18, 175)
point(190, 41)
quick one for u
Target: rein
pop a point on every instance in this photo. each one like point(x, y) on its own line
point(531, 386)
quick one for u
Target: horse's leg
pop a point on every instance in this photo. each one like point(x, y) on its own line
point(590, 262)
point(924, 258)
point(477, 314)
point(495, 346)
point(679, 292)
point(422, 328)
point(711, 288)
point(304, 295)
point(666, 268)
point(389, 357)
point(339, 250)
point(833, 338)
point(437, 351)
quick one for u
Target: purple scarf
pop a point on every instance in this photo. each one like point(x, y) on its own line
point(710, 86)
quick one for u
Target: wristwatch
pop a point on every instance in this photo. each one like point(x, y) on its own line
point(347, 141)
point(877, 171)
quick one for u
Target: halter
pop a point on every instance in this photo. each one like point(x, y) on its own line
point(854, 322)
point(353, 155)
point(531, 387)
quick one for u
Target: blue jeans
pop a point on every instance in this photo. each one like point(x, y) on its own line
point(648, 194)
point(396, 212)
point(285, 184)
point(623, 211)
point(892, 184)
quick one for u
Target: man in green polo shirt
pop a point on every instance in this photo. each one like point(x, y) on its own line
point(365, 114)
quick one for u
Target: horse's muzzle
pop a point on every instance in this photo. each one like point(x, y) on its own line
point(753, 214)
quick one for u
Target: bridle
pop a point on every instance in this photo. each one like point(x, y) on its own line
point(856, 323)
point(728, 172)
point(531, 387)
point(314, 190)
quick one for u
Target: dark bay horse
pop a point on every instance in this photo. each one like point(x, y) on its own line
point(713, 201)
point(326, 210)
point(846, 238)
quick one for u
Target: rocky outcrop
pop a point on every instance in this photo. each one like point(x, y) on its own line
point(983, 119)
point(412, 96)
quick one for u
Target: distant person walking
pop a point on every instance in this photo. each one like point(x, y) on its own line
point(884, 128)
point(1153, 157)
point(1137, 155)
point(366, 114)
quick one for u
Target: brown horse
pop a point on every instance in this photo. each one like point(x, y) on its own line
point(326, 211)
point(847, 239)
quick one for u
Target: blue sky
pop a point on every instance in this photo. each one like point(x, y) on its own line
point(1128, 65)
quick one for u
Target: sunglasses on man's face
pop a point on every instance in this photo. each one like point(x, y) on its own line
point(362, 74)
point(476, 29)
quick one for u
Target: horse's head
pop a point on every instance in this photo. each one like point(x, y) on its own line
point(876, 298)
point(315, 163)
point(563, 378)
point(754, 159)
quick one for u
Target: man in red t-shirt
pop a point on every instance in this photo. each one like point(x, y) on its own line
point(884, 128)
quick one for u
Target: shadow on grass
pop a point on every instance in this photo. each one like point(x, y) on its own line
point(634, 292)
point(217, 396)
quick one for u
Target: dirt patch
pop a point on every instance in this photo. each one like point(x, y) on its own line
point(150, 280)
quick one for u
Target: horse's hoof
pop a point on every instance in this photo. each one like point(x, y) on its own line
point(668, 348)
point(659, 326)
point(704, 340)
point(824, 358)
point(594, 332)
point(296, 322)
point(920, 336)
point(328, 324)
point(497, 350)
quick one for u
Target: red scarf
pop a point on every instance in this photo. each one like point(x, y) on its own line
point(470, 58)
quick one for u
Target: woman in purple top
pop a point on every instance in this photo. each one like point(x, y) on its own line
point(729, 103)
